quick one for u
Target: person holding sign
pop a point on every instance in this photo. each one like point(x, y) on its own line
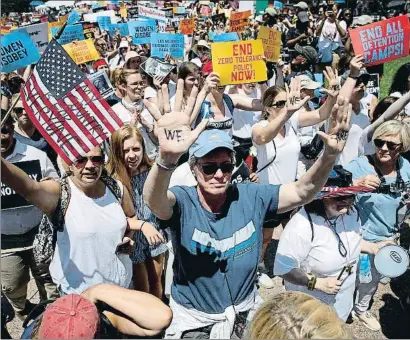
point(20, 221)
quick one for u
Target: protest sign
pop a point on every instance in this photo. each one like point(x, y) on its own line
point(187, 26)
point(92, 17)
point(271, 40)
point(246, 6)
point(239, 21)
point(82, 51)
point(179, 10)
point(38, 33)
point(382, 41)
point(123, 12)
point(231, 36)
point(9, 198)
point(154, 67)
point(278, 4)
point(206, 11)
point(89, 29)
point(239, 62)
point(151, 13)
point(261, 5)
point(164, 43)
point(5, 29)
point(141, 31)
point(73, 17)
point(102, 83)
point(52, 25)
point(218, 19)
point(70, 33)
point(123, 28)
point(104, 22)
point(17, 51)
point(373, 86)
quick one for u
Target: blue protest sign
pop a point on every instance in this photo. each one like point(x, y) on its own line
point(114, 2)
point(70, 33)
point(122, 27)
point(95, 6)
point(17, 51)
point(278, 4)
point(231, 36)
point(73, 18)
point(104, 22)
point(164, 43)
point(141, 31)
point(319, 77)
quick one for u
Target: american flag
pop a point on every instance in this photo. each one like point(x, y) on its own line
point(66, 107)
point(330, 192)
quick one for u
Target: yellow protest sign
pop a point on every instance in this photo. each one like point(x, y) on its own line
point(82, 51)
point(52, 25)
point(102, 3)
point(239, 20)
point(239, 62)
point(123, 12)
point(271, 40)
point(187, 26)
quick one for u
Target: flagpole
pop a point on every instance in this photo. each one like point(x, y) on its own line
point(58, 34)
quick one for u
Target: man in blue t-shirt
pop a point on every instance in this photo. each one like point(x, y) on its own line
point(216, 227)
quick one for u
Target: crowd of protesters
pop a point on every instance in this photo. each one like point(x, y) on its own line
point(162, 230)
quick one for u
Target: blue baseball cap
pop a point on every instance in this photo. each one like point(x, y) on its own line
point(210, 140)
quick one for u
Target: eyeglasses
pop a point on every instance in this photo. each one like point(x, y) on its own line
point(212, 168)
point(5, 130)
point(96, 160)
point(390, 145)
point(279, 104)
point(201, 48)
point(137, 83)
point(18, 110)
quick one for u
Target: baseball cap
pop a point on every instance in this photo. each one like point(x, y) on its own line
point(70, 317)
point(307, 83)
point(308, 52)
point(303, 17)
point(271, 11)
point(302, 5)
point(210, 140)
point(124, 44)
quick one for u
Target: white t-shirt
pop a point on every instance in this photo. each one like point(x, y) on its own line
point(244, 120)
point(330, 34)
point(321, 257)
point(284, 169)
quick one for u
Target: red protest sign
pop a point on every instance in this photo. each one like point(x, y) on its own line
point(187, 26)
point(382, 41)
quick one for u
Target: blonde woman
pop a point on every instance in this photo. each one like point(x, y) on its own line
point(295, 315)
point(128, 161)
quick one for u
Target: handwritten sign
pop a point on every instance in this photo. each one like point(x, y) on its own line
point(231, 36)
point(187, 26)
point(73, 17)
point(70, 33)
point(166, 43)
point(38, 33)
point(89, 29)
point(82, 51)
point(239, 62)
point(141, 31)
point(104, 22)
point(17, 51)
point(382, 41)
point(9, 198)
point(239, 20)
point(151, 13)
point(271, 40)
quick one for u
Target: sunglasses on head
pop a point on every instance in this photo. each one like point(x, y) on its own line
point(18, 110)
point(212, 168)
point(96, 160)
point(279, 104)
point(390, 145)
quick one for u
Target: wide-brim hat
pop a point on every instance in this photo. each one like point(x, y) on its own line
point(201, 43)
point(333, 192)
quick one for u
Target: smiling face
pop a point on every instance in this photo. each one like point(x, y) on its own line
point(88, 169)
point(133, 154)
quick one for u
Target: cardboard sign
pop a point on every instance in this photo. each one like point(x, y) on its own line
point(38, 33)
point(373, 86)
point(89, 29)
point(9, 198)
point(141, 31)
point(122, 28)
point(73, 17)
point(278, 4)
point(17, 51)
point(151, 13)
point(70, 33)
point(187, 26)
point(154, 67)
point(382, 41)
point(82, 51)
point(104, 22)
point(239, 62)
point(102, 83)
point(231, 36)
point(165, 43)
point(239, 21)
point(271, 40)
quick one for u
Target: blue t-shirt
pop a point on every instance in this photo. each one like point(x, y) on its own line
point(216, 255)
point(378, 212)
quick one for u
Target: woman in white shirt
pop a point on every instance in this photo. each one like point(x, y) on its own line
point(319, 250)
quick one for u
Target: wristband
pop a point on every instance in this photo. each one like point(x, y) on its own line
point(311, 283)
point(353, 77)
point(142, 225)
point(166, 167)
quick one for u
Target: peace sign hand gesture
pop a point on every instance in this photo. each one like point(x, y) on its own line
point(174, 130)
point(294, 101)
point(339, 125)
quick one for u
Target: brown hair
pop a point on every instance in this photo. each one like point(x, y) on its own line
point(269, 98)
point(116, 164)
point(186, 69)
point(296, 315)
point(125, 73)
point(115, 76)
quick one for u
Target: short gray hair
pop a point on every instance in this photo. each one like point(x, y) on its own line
point(394, 127)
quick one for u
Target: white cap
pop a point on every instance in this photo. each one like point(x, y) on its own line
point(302, 5)
point(307, 83)
point(124, 44)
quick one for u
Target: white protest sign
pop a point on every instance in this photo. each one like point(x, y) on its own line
point(92, 17)
point(151, 13)
point(39, 34)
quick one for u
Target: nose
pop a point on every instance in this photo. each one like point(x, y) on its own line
point(196, 82)
point(384, 147)
point(219, 174)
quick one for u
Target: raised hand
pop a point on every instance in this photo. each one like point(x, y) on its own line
point(356, 64)
point(339, 125)
point(211, 82)
point(332, 78)
point(174, 130)
point(294, 101)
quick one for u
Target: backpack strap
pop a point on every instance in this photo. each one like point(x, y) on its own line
point(57, 219)
point(228, 101)
point(113, 185)
point(311, 225)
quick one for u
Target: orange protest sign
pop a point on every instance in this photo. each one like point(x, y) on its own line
point(82, 51)
point(271, 40)
point(63, 18)
point(239, 20)
point(187, 26)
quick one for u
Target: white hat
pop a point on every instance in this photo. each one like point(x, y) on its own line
point(124, 44)
point(306, 83)
point(302, 5)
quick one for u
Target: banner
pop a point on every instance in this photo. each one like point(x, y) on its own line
point(141, 31)
point(73, 18)
point(104, 22)
point(151, 13)
point(102, 83)
point(38, 33)
point(82, 51)
point(231, 36)
point(12, 200)
point(70, 33)
point(89, 29)
point(278, 4)
point(239, 62)
point(239, 21)
point(17, 51)
point(373, 86)
point(123, 28)
point(166, 43)
point(382, 41)
point(271, 40)
point(187, 26)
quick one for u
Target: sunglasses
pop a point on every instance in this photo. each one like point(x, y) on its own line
point(96, 160)
point(344, 198)
point(5, 130)
point(18, 110)
point(280, 104)
point(390, 145)
point(200, 48)
point(212, 168)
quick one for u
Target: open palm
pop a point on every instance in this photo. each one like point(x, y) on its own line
point(293, 98)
